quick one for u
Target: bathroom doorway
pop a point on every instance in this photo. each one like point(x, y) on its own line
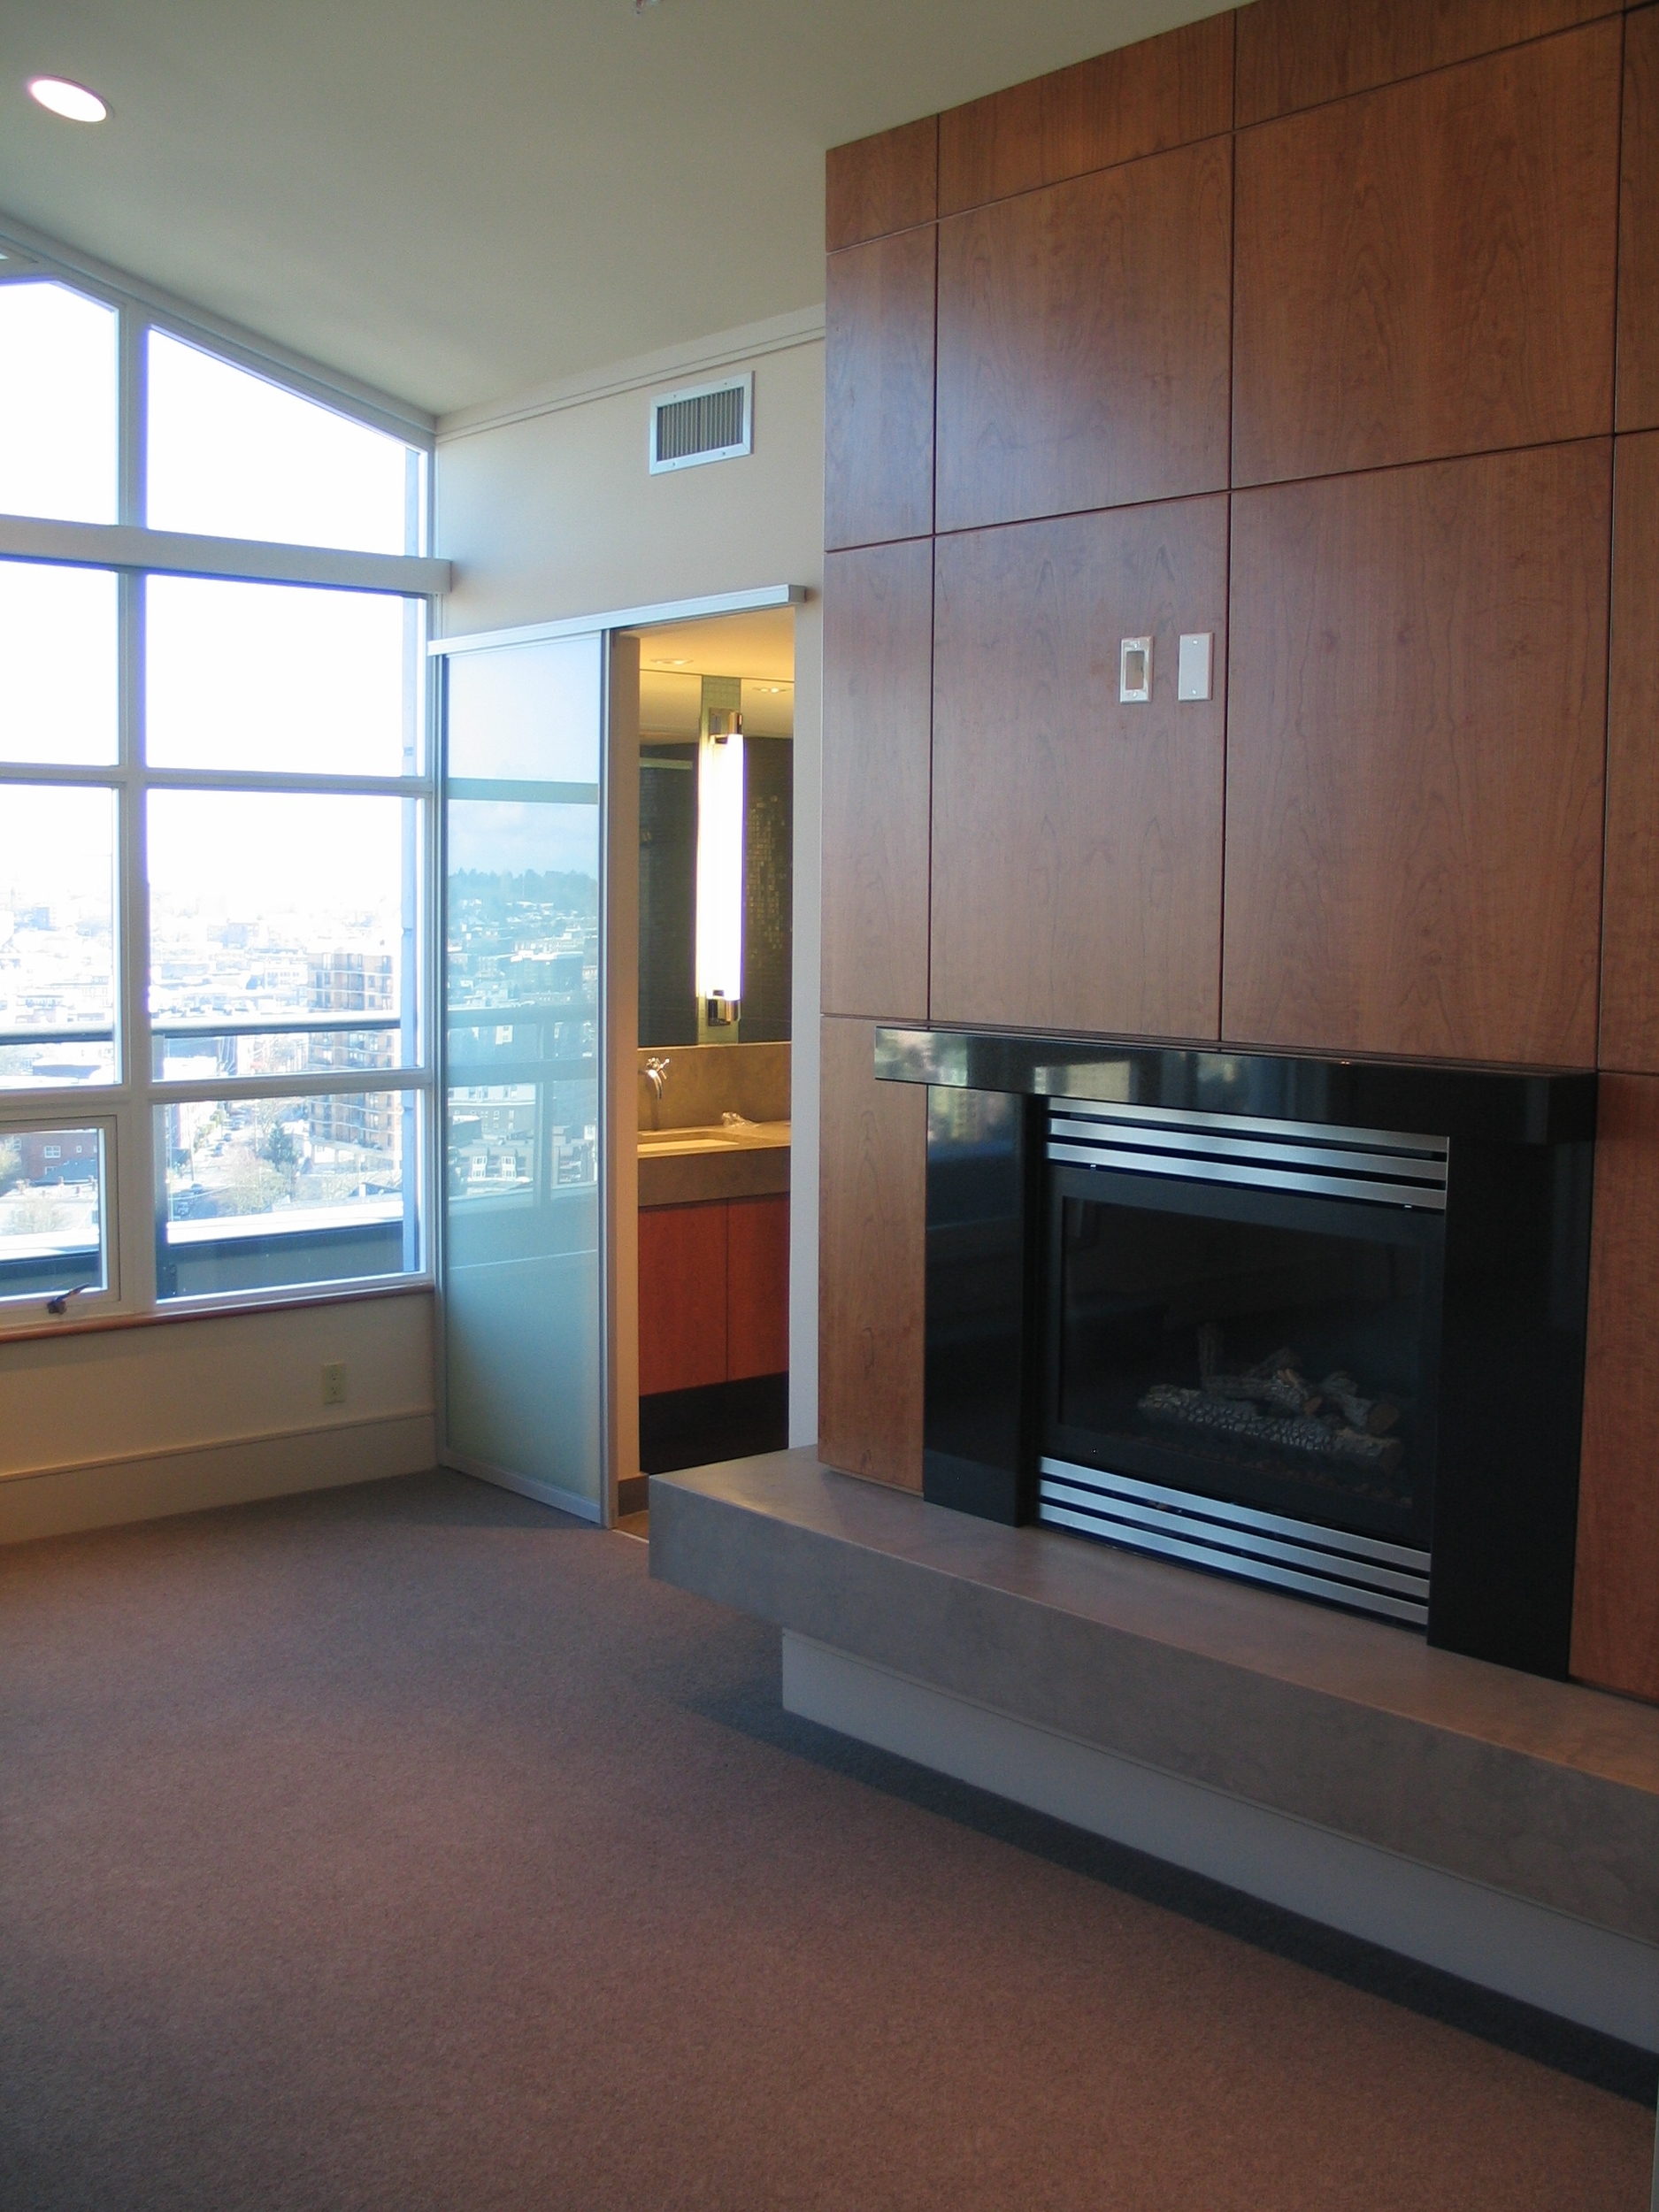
point(716, 942)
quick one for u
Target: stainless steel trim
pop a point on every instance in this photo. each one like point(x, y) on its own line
point(1181, 1168)
point(1248, 1569)
point(1387, 1166)
point(1310, 1152)
point(1115, 1511)
point(1248, 1515)
point(1385, 1140)
point(1214, 1533)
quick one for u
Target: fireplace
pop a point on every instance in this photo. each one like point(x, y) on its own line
point(1314, 1324)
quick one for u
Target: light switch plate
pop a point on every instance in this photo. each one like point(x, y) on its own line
point(1192, 677)
point(1134, 670)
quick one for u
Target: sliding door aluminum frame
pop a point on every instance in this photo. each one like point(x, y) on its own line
point(124, 1111)
point(603, 626)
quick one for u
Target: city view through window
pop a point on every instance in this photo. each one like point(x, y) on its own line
point(214, 814)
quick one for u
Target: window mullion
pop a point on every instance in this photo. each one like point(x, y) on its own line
point(132, 447)
point(138, 1195)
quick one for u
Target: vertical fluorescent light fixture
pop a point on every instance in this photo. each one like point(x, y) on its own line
point(719, 954)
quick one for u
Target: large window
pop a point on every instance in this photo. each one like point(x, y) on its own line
point(215, 823)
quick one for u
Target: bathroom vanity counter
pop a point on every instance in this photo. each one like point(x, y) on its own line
point(690, 1167)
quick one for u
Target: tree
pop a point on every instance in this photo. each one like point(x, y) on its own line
point(280, 1149)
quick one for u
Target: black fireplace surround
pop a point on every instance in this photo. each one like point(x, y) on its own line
point(1316, 1323)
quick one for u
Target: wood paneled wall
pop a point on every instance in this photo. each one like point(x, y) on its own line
point(872, 1205)
point(1083, 338)
point(1330, 327)
point(1639, 228)
point(1417, 719)
point(1429, 269)
point(877, 721)
point(1077, 842)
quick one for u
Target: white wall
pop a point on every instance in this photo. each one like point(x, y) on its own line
point(99, 1427)
point(547, 509)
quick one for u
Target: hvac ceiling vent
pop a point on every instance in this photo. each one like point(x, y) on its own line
point(703, 422)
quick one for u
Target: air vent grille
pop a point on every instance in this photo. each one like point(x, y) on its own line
point(707, 422)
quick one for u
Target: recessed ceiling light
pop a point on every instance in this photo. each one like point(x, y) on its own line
point(671, 664)
point(73, 102)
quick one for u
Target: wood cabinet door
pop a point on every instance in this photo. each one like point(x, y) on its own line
point(1630, 936)
point(756, 1286)
point(1429, 269)
point(1077, 841)
point(879, 390)
point(1615, 1578)
point(1416, 727)
point(1639, 228)
point(1084, 337)
point(873, 1258)
point(682, 1297)
point(878, 749)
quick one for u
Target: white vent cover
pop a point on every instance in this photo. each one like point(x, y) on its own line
point(703, 422)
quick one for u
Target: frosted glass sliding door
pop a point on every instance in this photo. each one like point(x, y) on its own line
point(523, 1303)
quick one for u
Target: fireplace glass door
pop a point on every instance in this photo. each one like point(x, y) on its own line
point(1270, 1349)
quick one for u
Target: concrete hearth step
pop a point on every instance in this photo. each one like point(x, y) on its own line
point(1504, 1827)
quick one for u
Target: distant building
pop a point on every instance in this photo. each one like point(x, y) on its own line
point(59, 1155)
point(343, 982)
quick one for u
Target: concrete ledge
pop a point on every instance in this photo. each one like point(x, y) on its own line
point(1603, 1981)
point(106, 1493)
point(1541, 1792)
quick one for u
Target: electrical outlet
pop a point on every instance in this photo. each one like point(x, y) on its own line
point(334, 1382)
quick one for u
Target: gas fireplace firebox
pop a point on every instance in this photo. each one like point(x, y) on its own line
point(1318, 1325)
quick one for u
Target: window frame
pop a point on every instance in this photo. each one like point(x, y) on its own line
point(125, 1109)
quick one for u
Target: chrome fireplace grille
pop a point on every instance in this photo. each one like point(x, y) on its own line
point(1218, 1439)
point(1380, 1165)
point(1360, 1572)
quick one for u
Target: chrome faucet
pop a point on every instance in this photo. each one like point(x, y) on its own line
point(657, 1076)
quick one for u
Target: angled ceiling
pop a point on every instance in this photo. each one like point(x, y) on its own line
point(456, 203)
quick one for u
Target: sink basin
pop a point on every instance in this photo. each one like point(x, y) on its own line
point(658, 1143)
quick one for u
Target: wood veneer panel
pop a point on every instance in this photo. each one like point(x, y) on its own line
point(1639, 228)
point(880, 184)
point(878, 710)
point(1429, 269)
point(682, 1297)
point(1084, 336)
point(757, 1287)
point(1616, 1582)
point(1077, 841)
point(1416, 717)
point(873, 1224)
point(879, 390)
point(1296, 53)
point(1630, 932)
point(1141, 99)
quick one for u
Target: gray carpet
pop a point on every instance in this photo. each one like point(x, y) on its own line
point(405, 1846)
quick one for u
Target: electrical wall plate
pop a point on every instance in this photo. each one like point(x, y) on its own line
point(1134, 670)
point(1191, 678)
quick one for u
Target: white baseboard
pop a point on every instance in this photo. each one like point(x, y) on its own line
point(149, 1486)
point(1490, 1936)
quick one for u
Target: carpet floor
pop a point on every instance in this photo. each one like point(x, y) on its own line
point(405, 1846)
